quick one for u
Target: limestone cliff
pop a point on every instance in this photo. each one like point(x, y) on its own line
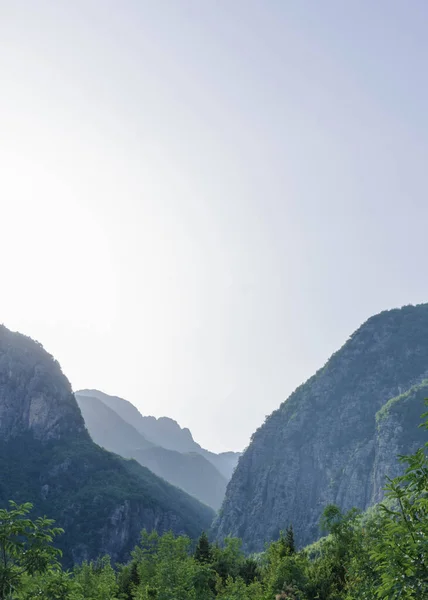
point(34, 393)
point(397, 433)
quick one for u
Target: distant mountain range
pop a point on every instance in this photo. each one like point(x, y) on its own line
point(164, 432)
point(158, 444)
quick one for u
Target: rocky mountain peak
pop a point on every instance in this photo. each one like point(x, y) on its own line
point(35, 396)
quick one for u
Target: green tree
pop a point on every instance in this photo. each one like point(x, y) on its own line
point(203, 551)
point(401, 553)
point(339, 548)
point(54, 584)
point(128, 579)
point(166, 570)
point(283, 571)
point(25, 547)
point(235, 589)
point(362, 581)
point(97, 580)
point(227, 560)
point(286, 544)
point(289, 540)
point(249, 570)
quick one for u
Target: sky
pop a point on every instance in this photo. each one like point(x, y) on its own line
point(201, 200)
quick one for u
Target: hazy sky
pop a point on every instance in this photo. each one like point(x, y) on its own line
point(201, 199)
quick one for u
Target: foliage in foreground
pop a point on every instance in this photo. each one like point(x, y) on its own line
point(382, 554)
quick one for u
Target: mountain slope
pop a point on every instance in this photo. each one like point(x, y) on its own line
point(164, 432)
point(48, 458)
point(191, 471)
point(226, 462)
point(109, 430)
point(323, 445)
point(397, 433)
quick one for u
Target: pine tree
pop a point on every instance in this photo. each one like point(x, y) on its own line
point(249, 570)
point(289, 540)
point(203, 552)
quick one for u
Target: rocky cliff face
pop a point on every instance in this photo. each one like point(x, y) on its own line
point(397, 433)
point(34, 394)
point(47, 458)
point(324, 445)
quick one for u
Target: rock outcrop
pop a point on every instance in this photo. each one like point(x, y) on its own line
point(35, 396)
point(397, 433)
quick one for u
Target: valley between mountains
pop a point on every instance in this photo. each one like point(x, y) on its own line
point(104, 472)
point(161, 445)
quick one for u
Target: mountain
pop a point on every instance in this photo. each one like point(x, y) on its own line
point(109, 430)
point(164, 432)
point(336, 437)
point(227, 462)
point(190, 471)
point(47, 457)
point(397, 433)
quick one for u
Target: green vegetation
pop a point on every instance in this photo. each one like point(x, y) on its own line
point(25, 547)
point(82, 487)
point(382, 554)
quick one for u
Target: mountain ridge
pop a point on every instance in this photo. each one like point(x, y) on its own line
point(164, 431)
point(319, 446)
point(190, 471)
